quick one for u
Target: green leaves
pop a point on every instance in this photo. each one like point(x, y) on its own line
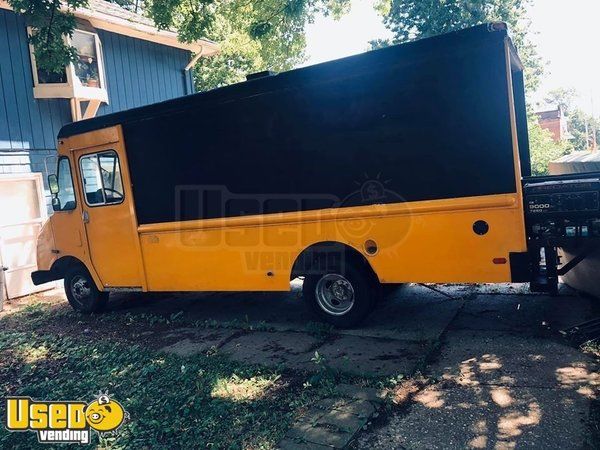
point(411, 19)
point(255, 35)
point(542, 147)
point(584, 128)
point(260, 29)
point(49, 26)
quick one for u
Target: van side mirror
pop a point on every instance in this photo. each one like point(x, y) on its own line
point(53, 184)
point(56, 206)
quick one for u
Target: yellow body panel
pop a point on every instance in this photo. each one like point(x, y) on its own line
point(430, 241)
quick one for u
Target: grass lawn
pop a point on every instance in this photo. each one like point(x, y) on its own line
point(204, 401)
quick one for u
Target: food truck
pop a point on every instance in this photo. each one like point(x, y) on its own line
point(404, 164)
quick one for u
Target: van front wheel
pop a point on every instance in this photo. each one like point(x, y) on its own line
point(342, 298)
point(82, 293)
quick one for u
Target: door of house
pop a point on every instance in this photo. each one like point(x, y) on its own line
point(23, 211)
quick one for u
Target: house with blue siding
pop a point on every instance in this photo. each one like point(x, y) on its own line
point(123, 61)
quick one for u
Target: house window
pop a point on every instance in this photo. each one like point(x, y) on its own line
point(83, 79)
point(51, 77)
point(87, 67)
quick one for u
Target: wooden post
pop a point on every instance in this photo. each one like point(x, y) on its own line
point(76, 109)
point(3, 288)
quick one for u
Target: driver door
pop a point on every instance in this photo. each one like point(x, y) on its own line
point(108, 216)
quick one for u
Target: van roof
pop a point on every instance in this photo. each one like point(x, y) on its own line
point(403, 53)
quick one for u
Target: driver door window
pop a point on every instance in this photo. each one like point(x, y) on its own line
point(101, 175)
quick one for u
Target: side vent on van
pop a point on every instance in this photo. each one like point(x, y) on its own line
point(263, 74)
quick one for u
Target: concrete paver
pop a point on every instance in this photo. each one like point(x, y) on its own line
point(191, 341)
point(332, 422)
point(272, 348)
point(369, 356)
point(506, 379)
point(393, 340)
point(360, 393)
point(409, 316)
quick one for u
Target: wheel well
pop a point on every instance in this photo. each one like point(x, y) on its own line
point(324, 256)
point(62, 265)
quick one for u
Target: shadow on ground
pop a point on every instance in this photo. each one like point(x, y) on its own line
point(411, 312)
point(503, 378)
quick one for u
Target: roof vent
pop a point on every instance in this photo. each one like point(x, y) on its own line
point(263, 74)
point(497, 26)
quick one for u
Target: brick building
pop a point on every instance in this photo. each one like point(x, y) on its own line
point(555, 122)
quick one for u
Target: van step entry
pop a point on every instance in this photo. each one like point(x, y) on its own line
point(543, 283)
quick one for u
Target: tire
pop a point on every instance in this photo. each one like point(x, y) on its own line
point(82, 293)
point(352, 279)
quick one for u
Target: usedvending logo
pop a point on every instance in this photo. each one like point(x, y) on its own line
point(65, 421)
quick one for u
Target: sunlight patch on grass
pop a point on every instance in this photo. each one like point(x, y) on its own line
point(240, 389)
point(31, 354)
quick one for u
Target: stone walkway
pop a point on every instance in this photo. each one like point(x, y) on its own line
point(379, 348)
point(333, 422)
point(498, 375)
point(373, 350)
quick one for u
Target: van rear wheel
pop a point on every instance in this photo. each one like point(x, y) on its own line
point(82, 293)
point(342, 297)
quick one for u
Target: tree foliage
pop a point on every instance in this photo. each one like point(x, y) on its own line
point(414, 19)
point(49, 24)
point(254, 35)
point(562, 98)
point(542, 147)
point(584, 128)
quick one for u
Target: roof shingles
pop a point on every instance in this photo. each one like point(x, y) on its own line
point(112, 9)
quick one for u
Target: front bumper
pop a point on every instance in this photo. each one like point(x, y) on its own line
point(44, 276)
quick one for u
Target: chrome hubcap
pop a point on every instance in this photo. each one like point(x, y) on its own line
point(335, 294)
point(80, 288)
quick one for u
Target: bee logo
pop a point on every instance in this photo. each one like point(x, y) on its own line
point(105, 414)
point(65, 421)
